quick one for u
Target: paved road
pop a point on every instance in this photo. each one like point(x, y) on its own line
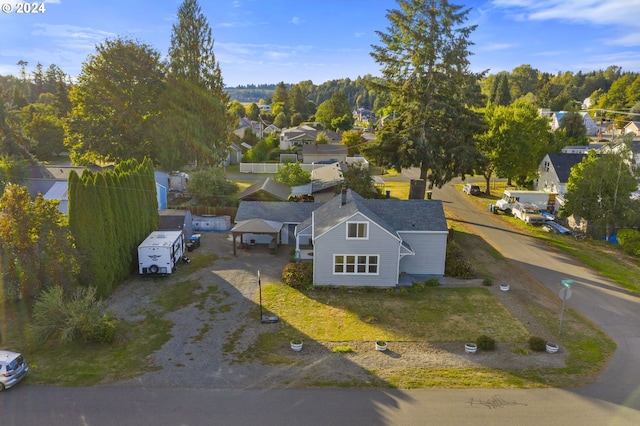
point(51, 406)
point(604, 302)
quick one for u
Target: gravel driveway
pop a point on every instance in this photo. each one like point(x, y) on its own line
point(196, 356)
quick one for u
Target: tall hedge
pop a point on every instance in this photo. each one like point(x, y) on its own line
point(110, 213)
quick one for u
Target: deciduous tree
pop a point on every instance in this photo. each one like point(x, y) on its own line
point(115, 102)
point(599, 190)
point(292, 174)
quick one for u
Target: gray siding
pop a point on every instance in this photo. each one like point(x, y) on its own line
point(334, 241)
point(430, 251)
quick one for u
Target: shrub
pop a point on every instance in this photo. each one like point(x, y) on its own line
point(70, 317)
point(487, 281)
point(455, 264)
point(432, 282)
point(104, 331)
point(342, 350)
point(520, 350)
point(298, 275)
point(486, 343)
point(629, 240)
point(537, 344)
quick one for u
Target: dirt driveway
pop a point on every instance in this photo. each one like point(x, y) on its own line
point(206, 337)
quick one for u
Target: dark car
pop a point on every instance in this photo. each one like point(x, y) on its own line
point(471, 189)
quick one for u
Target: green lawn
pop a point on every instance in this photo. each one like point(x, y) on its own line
point(432, 314)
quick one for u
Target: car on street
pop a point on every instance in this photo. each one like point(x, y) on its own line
point(471, 189)
point(13, 368)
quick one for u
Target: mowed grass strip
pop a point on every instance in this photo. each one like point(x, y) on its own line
point(434, 314)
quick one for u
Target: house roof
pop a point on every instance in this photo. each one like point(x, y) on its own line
point(267, 190)
point(59, 191)
point(309, 133)
point(392, 215)
point(321, 178)
point(563, 162)
point(257, 226)
point(287, 212)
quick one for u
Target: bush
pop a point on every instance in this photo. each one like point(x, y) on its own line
point(487, 282)
point(298, 275)
point(68, 318)
point(537, 344)
point(455, 264)
point(486, 343)
point(629, 240)
point(104, 331)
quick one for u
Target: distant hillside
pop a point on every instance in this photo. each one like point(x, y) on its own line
point(251, 93)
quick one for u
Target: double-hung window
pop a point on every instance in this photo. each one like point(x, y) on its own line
point(362, 264)
point(357, 230)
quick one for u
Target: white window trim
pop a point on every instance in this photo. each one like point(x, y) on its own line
point(358, 223)
point(356, 264)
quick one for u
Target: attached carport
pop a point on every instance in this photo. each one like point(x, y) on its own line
point(257, 227)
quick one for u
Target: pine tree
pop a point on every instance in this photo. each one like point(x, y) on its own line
point(191, 56)
point(425, 70)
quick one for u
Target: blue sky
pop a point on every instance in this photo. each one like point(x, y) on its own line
point(259, 41)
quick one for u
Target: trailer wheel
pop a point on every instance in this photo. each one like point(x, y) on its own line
point(154, 269)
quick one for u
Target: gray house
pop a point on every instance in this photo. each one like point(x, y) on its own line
point(374, 243)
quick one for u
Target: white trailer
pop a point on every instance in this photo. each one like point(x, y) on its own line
point(160, 252)
point(540, 199)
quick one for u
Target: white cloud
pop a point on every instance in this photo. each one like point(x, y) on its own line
point(491, 47)
point(618, 16)
point(295, 20)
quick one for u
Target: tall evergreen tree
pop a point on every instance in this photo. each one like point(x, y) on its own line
point(425, 70)
point(500, 94)
point(195, 125)
point(191, 56)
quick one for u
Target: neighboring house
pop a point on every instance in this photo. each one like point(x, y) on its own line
point(322, 179)
point(304, 134)
point(290, 214)
point(266, 190)
point(258, 128)
point(590, 126)
point(364, 114)
point(59, 191)
point(162, 188)
point(176, 220)
point(582, 149)
point(324, 153)
point(553, 173)
point(359, 242)
point(234, 156)
point(632, 127)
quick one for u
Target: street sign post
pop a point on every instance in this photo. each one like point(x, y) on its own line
point(565, 294)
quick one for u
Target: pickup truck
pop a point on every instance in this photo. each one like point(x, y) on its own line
point(528, 213)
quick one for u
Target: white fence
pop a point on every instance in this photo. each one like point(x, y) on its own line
point(274, 167)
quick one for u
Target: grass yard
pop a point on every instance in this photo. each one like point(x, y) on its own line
point(432, 314)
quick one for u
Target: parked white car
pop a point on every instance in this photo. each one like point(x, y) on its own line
point(13, 368)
